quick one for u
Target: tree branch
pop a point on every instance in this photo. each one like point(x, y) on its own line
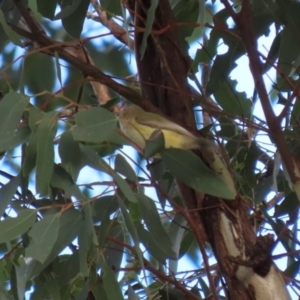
point(38, 36)
point(156, 272)
point(244, 22)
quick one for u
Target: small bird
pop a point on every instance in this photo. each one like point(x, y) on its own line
point(138, 125)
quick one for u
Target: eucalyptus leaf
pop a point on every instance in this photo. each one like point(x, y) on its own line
point(7, 192)
point(188, 168)
point(111, 284)
point(94, 125)
point(124, 168)
point(152, 220)
point(43, 237)
point(11, 228)
point(45, 151)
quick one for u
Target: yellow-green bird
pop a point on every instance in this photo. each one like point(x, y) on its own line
point(138, 125)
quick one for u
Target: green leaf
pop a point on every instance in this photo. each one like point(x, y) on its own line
point(207, 52)
point(273, 53)
point(90, 239)
point(83, 294)
point(63, 180)
point(96, 162)
point(85, 240)
point(111, 285)
point(37, 63)
point(223, 64)
point(52, 286)
point(7, 192)
point(104, 206)
point(5, 294)
point(152, 220)
point(290, 41)
point(70, 221)
point(148, 26)
point(112, 7)
point(11, 228)
point(131, 229)
point(99, 292)
point(188, 168)
point(47, 8)
point(11, 140)
point(94, 125)
point(293, 269)
point(66, 267)
point(13, 36)
point(186, 12)
point(186, 244)
point(11, 109)
point(123, 167)
point(151, 245)
point(45, 152)
point(288, 206)
point(70, 159)
point(235, 103)
point(68, 7)
point(18, 282)
point(176, 233)
point(154, 144)
point(43, 237)
point(31, 152)
point(78, 13)
point(113, 253)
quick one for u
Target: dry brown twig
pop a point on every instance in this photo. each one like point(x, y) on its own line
point(115, 29)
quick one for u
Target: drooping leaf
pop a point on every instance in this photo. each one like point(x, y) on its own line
point(11, 140)
point(12, 35)
point(124, 168)
point(68, 8)
point(112, 7)
point(94, 125)
point(176, 233)
point(96, 162)
point(111, 284)
point(11, 109)
point(152, 220)
point(188, 168)
point(154, 144)
point(85, 239)
point(112, 252)
point(186, 12)
point(70, 221)
point(37, 63)
point(104, 206)
point(11, 228)
point(151, 245)
point(231, 101)
point(47, 8)
point(43, 237)
point(18, 282)
point(73, 10)
point(31, 153)
point(148, 26)
point(7, 192)
point(45, 152)
point(69, 152)
point(63, 180)
point(290, 42)
point(132, 230)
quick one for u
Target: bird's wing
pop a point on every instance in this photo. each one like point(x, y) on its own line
point(159, 122)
